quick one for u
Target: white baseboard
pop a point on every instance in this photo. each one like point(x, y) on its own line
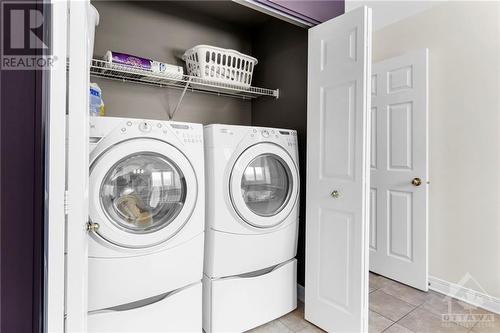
point(451, 289)
point(465, 294)
point(300, 293)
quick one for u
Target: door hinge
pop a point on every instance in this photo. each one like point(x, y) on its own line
point(66, 202)
point(91, 226)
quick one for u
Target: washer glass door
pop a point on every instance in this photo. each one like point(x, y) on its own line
point(143, 192)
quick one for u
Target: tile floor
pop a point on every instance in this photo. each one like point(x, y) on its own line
point(397, 308)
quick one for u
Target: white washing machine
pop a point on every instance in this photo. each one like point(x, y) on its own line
point(146, 207)
point(252, 225)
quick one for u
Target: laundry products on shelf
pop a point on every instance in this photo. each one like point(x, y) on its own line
point(96, 103)
point(117, 59)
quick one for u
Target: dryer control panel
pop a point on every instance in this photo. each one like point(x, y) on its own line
point(231, 136)
point(288, 136)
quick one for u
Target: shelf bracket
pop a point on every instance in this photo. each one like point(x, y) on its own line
point(171, 116)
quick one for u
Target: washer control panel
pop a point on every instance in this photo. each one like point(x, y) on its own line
point(184, 132)
point(291, 137)
point(145, 127)
point(191, 138)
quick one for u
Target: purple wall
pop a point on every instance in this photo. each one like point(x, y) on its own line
point(312, 11)
point(21, 201)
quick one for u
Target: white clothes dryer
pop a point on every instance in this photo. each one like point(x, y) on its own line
point(252, 198)
point(252, 226)
point(146, 207)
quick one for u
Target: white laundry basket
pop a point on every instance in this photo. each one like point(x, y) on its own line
point(220, 65)
point(93, 21)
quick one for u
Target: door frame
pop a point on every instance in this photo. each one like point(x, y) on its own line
point(67, 170)
point(77, 168)
point(56, 172)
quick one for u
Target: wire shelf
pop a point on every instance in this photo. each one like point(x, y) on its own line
point(103, 69)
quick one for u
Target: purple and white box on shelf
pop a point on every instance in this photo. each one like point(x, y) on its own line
point(127, 62)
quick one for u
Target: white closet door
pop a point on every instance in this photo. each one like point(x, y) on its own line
point(338, 171)
point(398, 221)
point(77, 168)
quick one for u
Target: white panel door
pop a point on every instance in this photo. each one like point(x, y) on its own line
point(338, 171)
point(398, 219)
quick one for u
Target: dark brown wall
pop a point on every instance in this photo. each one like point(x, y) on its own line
point(163, 30)
point(281, 49)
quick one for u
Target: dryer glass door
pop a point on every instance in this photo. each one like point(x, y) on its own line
point(266, 185)
point(143, 192)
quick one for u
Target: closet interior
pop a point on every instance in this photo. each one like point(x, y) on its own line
point(164, 30)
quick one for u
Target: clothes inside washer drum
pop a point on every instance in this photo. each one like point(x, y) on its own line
point(134, 209)
point(143, 192)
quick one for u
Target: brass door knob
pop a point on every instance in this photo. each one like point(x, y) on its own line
point(335, 194)
point(416, 181)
